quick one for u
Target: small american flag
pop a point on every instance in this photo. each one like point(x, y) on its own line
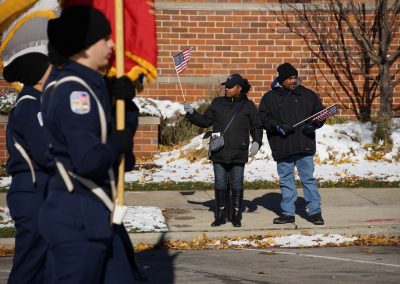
point(329, 111)
point(181, 60)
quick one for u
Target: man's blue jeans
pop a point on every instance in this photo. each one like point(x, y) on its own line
point(235, 172)
point(305, 169)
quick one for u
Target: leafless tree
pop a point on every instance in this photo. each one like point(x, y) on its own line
point(355, 41)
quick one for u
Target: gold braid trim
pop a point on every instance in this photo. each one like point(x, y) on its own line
point(37, 14)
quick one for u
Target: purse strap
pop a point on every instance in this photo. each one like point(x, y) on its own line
point(237, 108)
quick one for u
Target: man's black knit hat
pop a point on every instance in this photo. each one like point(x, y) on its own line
point(76, 29)
point(27, 69)
point(285, 71)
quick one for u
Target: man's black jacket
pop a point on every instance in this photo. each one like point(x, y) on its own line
point(280, 106)
point(247, 121)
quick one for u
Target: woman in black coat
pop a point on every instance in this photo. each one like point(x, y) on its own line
point(231, 158)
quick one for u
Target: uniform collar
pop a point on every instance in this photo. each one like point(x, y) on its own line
point(85, 72)
point(29, 90)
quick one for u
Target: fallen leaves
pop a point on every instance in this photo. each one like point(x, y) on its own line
point(265, 241)
point(6, 251)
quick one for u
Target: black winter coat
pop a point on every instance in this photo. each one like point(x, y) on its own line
point(280, 106)
point(247, 121)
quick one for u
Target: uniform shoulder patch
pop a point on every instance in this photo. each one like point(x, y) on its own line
point(80, 102)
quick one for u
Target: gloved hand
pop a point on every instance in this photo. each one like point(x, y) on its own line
point(311, 127)
point(188, 108)
point(284, 129)
point(254, 148)
point(121, 140)
point(122, 88)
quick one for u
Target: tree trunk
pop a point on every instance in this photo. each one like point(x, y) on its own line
point(384, 123)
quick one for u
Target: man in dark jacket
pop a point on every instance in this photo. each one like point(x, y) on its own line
point(285, 105)
point(230, 160)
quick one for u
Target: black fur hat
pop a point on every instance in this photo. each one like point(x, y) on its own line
point(77, 28)
point(27, 69)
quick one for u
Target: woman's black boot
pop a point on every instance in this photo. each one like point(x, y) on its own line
point(220, 208)
point(237, 198)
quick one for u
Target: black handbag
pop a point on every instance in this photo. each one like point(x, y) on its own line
point(216, 143)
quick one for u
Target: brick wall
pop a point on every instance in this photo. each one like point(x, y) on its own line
point(145, 141)
point(234, 36)
point(146, 137)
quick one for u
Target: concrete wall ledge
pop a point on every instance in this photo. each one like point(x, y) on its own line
point(149, 120)
point(142, 119)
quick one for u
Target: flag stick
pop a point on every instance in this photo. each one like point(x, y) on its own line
point(315, 114)
point(119, 59)
point(179, 80)
point(183, 93)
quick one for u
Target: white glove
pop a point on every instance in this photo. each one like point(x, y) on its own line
point(119, 214)
point(254, 149)
point(188, 108)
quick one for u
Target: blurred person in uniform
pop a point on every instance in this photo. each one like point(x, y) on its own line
point(27, 146)
point(76, 218)
point(286, 104)
point(230, 161)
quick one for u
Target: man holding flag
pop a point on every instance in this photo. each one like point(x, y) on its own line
point(293, 145)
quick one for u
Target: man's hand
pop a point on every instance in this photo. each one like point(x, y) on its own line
point(254, 148)
point(123, 89)
point(121, 140)
point(284, 129)
point(188, 108)
point(311, 127)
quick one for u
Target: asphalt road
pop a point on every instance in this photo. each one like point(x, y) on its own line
point(308, 265)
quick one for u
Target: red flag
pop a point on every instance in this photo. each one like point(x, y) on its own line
point(139, 35)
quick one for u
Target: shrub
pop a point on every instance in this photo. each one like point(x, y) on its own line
point(178, 130)
point(336, 120)
point(8, 98)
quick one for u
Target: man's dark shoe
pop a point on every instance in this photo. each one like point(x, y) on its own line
point(316, 219)
point(284, 219)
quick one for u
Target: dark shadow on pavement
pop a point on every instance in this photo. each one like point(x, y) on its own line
point(158, 263)
point(271, 201)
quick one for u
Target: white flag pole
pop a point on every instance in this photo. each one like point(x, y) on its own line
point(315, 114)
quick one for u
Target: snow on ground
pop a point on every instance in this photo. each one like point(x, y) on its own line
point(295, 241)
point(137, 219)
point(145, 219)
point(343, 151)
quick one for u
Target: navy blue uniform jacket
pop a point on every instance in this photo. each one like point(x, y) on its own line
point(24, 126)
point(72, 120)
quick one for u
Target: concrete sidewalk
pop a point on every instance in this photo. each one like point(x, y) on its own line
point(346, 211)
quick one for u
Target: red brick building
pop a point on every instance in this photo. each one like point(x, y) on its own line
point(233, 36)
